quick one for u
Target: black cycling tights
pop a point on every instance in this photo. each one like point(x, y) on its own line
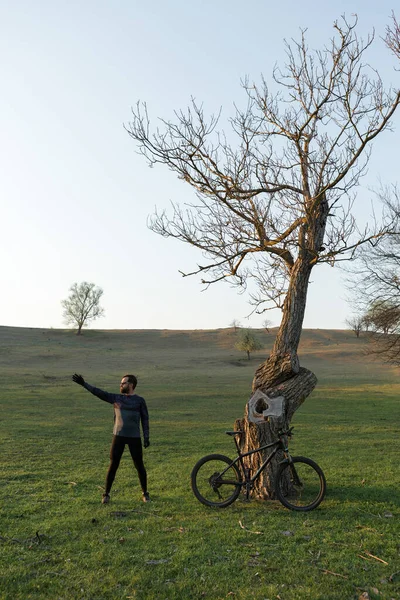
point(116, 452)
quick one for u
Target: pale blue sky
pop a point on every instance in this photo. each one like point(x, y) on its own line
point(75, 196)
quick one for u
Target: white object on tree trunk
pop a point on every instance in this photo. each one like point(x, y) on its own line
point(261, 407)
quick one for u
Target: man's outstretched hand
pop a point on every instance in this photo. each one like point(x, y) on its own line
point(78, 379)
point(146, 442)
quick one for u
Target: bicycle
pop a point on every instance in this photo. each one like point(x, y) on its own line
point(300, 483)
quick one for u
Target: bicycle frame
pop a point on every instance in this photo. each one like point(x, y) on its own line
point(279, 446)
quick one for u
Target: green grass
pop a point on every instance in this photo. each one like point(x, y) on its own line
point(58, 542)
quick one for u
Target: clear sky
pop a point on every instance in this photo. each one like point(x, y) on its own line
point(75, 195)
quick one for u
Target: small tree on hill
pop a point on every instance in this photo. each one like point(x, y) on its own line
point(235, 324)
point(82, 305)
point(267, 324)
point(356, 324)
point(248, 343)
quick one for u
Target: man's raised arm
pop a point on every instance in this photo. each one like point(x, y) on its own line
point(106, 396)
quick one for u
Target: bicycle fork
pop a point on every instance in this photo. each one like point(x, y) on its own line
point(295, 478)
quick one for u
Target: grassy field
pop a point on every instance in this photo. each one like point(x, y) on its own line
point(58, 542)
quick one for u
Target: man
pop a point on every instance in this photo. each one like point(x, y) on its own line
point(129, 410)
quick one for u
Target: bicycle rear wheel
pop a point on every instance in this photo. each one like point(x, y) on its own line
point(216, 480)
point(300, 485)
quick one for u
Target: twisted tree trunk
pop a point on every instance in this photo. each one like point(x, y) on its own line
point(279, 376)
point(257, 432)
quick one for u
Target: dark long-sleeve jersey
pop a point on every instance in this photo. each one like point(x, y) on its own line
point(129, 411)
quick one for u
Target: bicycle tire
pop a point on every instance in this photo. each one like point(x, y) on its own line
point(312, 488)
point(207, 486)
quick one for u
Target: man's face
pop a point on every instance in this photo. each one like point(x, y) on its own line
point(125, 386)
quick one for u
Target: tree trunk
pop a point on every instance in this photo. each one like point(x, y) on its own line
point(279, 375)
point(294, 390)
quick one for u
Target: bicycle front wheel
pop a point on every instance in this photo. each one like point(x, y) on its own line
point(216, 480)
point(300, 485)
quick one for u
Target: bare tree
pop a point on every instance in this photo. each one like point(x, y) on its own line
point(267, 324)
point(356, 323)
point(82, 305)
point(384, 316)
point(278, 203)
point(366, 322)
point(392, 38)
point(375, 286)
point(235, 324)
point(248, 343)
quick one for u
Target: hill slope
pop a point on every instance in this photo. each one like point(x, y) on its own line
point(165, 354)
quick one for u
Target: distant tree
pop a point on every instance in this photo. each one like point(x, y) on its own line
point(248, 343)
point(356, 324)
point(267, 324)
point(366, 322)
point(384, 316)
point(82, 305)
point(235, 324)
point(375, 286)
